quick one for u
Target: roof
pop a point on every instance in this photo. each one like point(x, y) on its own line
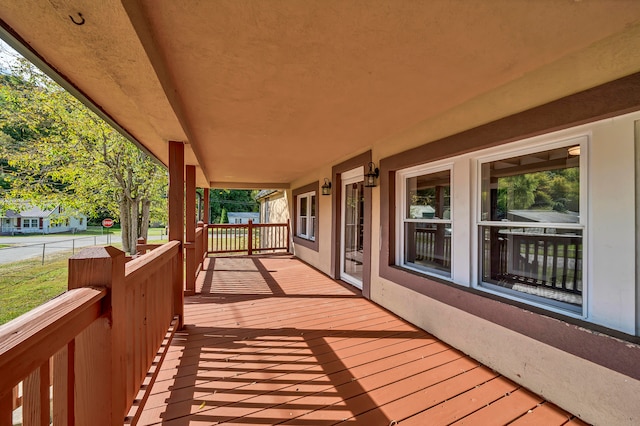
point(283, 88)
point(265, 193)
point(546, 216)
point(244, 215)
point(29, 212)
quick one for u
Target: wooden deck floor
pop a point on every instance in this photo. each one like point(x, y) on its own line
point(272, 341)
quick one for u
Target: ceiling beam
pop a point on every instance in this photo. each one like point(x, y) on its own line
point(248, 185)
point(142, 25)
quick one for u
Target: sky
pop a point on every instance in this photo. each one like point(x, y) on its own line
point(7, 56)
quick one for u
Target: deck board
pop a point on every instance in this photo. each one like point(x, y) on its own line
point(269, 340)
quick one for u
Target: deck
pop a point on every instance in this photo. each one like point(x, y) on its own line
point(269, 340)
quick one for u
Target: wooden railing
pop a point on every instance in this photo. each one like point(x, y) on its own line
point(544, 260)
point(249, 238)
point(433, 245)
point(83, 357)
point(195, 253)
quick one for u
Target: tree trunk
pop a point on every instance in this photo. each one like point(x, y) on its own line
point(133, 223)
point(124, 224)
point(144, 221)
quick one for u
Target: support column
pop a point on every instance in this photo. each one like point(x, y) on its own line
point(190, 244)
point(206, 209)
point(176, 222)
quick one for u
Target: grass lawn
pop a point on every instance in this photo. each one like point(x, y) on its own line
point(27, 284)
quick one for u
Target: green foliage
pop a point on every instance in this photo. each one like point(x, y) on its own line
point(231, 200)
point(547, 190)
point(223, 217)
point(59, 152)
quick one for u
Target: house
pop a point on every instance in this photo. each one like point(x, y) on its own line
point(243, 217)
point(274, 206)
point(34, 220)
point(401, 104)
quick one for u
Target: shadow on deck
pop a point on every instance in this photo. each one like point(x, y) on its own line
point(269, 340)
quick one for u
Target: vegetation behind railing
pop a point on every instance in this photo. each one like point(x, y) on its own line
point(91, 347)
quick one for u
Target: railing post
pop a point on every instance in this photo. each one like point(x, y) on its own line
point(250, 238)
point(141, 241)
point(201, 249)
point(288, 235)
point(99, 367)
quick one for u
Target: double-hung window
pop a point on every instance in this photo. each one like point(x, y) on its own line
point(530, 227)
point(306, 220)
point(530, 222)
point(426, 226)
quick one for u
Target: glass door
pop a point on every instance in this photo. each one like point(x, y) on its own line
point(352, 233)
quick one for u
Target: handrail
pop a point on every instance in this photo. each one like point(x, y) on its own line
point(248, 237)
point(150, 262)
point(31, 339)
point(93, 345)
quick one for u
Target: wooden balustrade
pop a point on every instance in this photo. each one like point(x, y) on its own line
point(432, 245)
point(92, 347)
point(249, 238)
point(545, 260)
point(195, 252)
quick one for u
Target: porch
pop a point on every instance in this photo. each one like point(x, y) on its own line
point(270, 340)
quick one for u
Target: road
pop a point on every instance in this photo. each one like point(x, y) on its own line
point(23, 248)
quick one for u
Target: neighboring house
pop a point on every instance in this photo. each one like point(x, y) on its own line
point(274, 206)
point(34, 220)
point(547, 216)
point(243, 217)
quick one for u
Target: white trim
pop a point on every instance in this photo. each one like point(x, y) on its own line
point(401, 191)
point(347, 178)
point(308, 232)
point(516, 149)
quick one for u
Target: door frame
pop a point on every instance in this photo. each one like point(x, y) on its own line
point(351, 177)
point(336, 220)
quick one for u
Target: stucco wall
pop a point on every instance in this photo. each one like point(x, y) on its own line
point(320, 259)
point(591, 375)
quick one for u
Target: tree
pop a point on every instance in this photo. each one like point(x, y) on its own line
point(223, 217)
point(231, 200)
point(62, 153)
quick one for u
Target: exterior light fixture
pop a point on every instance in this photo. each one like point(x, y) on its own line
point(574, 151)
point(371, 176)
point(326, 188)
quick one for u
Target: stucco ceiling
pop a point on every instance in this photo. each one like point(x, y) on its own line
point(265, 91)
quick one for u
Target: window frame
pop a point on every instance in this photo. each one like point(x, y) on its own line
point(520, 148)
point(402, 219)
point(306, 192)
point(308, 199)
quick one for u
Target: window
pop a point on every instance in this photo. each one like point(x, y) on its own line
point(306, 216)
point(526, 236)
point(426, 226)
point(530, 229)
point(30, 223)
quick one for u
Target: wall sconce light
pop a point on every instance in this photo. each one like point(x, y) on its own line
point(326, 188)
point(574, 151)
point(371, 176)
